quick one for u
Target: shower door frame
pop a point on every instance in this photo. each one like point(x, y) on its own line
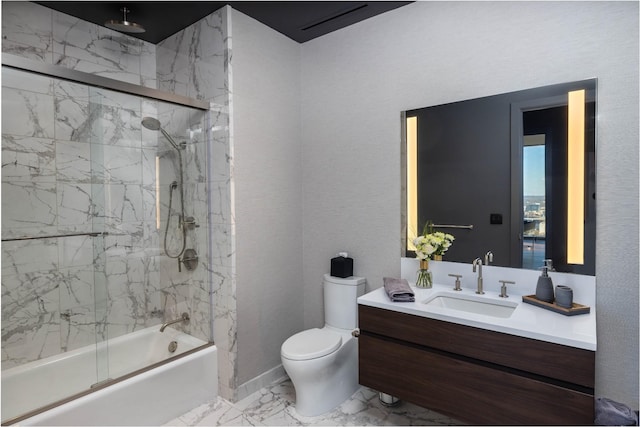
point(76, 76)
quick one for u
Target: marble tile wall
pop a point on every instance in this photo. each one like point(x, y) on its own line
point(196, 62)
point(76, 159)
point(41, 34)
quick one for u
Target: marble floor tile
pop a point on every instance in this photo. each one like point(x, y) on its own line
point(275, 406)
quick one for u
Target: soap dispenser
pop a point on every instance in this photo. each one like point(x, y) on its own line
point(544, 290)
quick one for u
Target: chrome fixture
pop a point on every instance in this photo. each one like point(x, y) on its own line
point(55, 236)
point(488, 257)
point(503, 289)
point(184, 318)
point(388, 400)
point(154, 124)
point(101, 383)
point(190, 223)
point(173, 346)
point(124, 26)
point(467, 227)
point(457, 284)
point(190, 260)
point(478, 263)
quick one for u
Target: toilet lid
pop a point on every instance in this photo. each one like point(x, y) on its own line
point(310, 344)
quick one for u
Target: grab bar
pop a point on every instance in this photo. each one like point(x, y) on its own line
point(183, 318)
point(468, 227)
point(54, 236)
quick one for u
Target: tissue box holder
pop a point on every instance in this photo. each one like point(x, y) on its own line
point(342, 267)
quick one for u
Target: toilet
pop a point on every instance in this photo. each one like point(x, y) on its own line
point(323, 363)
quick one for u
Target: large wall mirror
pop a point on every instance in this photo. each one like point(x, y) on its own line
point(512, 173)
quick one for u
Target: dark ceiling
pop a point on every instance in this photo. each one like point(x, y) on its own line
point(299, 20)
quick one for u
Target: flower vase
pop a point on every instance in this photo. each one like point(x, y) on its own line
point(425, 278)
point(437, 257)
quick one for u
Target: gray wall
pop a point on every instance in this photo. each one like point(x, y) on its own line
point(268, 192)
point(356, 81)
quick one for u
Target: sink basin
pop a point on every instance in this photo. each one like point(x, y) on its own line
point(472, 304)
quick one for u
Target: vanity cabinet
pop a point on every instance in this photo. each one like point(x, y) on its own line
point(474, 375)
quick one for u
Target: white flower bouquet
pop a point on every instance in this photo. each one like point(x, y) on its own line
point(432, 243)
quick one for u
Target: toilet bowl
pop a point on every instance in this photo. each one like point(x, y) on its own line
point(322, 363)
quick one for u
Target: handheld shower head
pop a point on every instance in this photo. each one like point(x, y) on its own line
point(151, 123)
point(154, 124)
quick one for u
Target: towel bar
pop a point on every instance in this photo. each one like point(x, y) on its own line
point(469, 227)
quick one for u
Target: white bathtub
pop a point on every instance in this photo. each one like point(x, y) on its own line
point(152, 397)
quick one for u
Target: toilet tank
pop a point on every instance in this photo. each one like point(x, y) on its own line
point(340, 300)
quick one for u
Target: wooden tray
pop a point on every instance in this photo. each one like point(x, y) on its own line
point(574, 310)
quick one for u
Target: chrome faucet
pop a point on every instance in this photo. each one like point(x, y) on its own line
point(478, 263)
point(184, 318)
point(488, 257)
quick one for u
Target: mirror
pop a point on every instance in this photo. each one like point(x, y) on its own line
point(512, 173)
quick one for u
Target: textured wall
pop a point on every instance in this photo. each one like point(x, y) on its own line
point(357, 80)
point(268, 193)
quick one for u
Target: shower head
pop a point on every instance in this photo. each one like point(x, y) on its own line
point(154, 124)
point(124, 26)
point(151, 123)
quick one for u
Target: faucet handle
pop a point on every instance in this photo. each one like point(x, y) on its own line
point(457, 285)
point(503, 288)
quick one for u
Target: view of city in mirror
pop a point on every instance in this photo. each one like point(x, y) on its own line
point(534, 203)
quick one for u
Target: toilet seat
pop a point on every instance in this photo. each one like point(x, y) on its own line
point(311, 344)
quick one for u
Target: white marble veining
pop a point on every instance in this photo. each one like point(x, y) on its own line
point(76, 159)
point(275, 406)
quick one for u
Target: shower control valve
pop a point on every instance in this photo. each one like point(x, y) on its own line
point(190, 223)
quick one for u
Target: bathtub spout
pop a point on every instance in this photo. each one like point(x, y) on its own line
point(184, 318)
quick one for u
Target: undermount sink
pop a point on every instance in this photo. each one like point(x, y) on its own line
point(472, 304)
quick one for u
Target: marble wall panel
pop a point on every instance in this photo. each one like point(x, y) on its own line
point(73, 119)
point(36, 209)
point(123, 203)
point(28, 256)
point(27, 30)
point(206, 81)
point(116, 165)
point(28, 159)
point(74, 204)
point(84, 46)
point(27, 113)
point(30, 317)
point(20, 80)
point(77, 307)
point(73, 160)
point(33, 31)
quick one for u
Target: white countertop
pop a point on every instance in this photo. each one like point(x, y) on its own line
point(526, 321)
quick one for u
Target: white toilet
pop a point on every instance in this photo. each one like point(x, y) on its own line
point(323, 363)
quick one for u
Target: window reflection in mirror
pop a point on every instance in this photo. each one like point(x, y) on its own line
point(501, 164)
point(534, 215)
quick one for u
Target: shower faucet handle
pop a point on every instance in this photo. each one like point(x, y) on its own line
point(190, 223)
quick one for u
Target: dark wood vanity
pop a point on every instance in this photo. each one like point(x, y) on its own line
point(475, 375)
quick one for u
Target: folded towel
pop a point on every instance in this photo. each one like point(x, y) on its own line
point(398, 290)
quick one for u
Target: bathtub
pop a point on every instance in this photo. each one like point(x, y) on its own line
point(136, 396)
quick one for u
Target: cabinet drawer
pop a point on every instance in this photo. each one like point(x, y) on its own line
point(465, 390)
point(572, 365)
